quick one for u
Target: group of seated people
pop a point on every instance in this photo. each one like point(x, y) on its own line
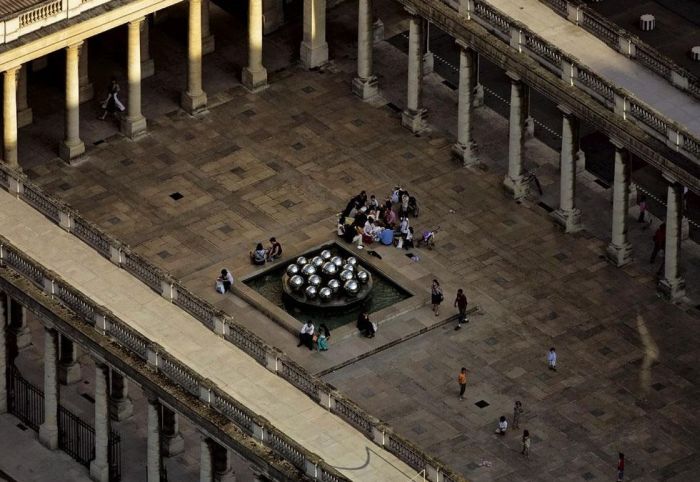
point(386, 223)
point(261, 255)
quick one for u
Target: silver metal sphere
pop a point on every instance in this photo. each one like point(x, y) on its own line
point(292, 269)
point(308, 270)
point(334, 285)
point(325, 293)
point(326, 255)
point(337, 260)
point(329, 269)
point(317, 261)
point(349, 267)
point(315, 280)
point(346, 275)
point(352, 261)
point(362, 276)
point(296, 282)
point(351, 287)
point(311, 292)
point(301, 261)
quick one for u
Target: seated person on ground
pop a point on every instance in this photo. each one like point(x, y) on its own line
point(386, 237)
point(226, 278)
point(258, 256)
point(502, 426)
point(275, 250)
point(364, 325)
point(306, 335)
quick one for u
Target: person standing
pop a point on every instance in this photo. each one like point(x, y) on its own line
point(461, 305)
point(462, 380)
point(642, 203)
point(526, 443)
point(552, 359)
point(436, 297)
point(620, 466)
point(517, 410)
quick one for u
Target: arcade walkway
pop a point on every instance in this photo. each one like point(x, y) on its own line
point(186, 339)
point(606, 62)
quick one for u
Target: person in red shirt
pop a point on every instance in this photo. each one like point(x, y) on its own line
point(620, 467)
point(659, 241)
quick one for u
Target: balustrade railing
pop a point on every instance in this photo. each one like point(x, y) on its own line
point(91, 235)
point(179, 373)
point(196, 307)
point(127, 337)
point(75, 301)
point(300, 378)
point(38, 199)
point(41, 13)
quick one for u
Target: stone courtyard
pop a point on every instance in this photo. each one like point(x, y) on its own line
point(196, 194)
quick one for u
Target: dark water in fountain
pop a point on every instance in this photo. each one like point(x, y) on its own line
point(384, 293)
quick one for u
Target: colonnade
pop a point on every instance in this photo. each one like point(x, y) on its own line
point(111, 402)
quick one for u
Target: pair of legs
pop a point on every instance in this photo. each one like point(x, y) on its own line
point(462, 388)
point(436, 307)
point(307, 340)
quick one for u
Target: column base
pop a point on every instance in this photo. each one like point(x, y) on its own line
point(133, 127)
point(619, 255)
point(194, 104)
point(478, 97)
point(120, 409)
point(414, 120)
point(312, 57)
point(68, 151)
point(671, 289)
point(570, 220)
point(24, 337)
point(465, 153)
point(254, 81)
point(172, 445)
point(86, 92)
point(516, 187)
point(208, 44)
point(99, 473)
point(148, 68)
point(69, 374)
point(378, 31)
point(428, 63)
point(365, 89)
point(48, 436)
point(24, 117)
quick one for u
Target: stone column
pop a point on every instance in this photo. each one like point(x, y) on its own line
point(173, 443)
point(568, 216)
point(99, 467)
point(428, 57)
point(17, 319)
point(4, 362)
point(147, 65)
point(465, 148)
point(314, 49)
point(134, 123)
point(9, 117)
point(514, 181)
point(24, 112)
point(672, 285)
point(254, 76)
point(413, 118)
point(365, 85)
point(48, 431)
point(194, 99)
point(153, 451)
point(221, 461)
point(206, 466)
point(208, 42)
point(68, 366)
point(120, 405)
point(620, 250)
point(72, 146)
point(87, 91)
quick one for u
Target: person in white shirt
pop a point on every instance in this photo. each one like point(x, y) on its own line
point(306, 335)
point(502, 426)
point(226, 279)
point(552, 359)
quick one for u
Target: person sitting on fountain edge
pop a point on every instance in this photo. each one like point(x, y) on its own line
point(259, 256)
point(275, 250)
point(364, 325)
point(306, 335)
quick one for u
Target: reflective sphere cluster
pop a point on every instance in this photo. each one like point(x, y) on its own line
point(326, 277)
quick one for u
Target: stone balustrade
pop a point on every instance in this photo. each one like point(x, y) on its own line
point(43, 14)
point(217, 321)
point(626, 43)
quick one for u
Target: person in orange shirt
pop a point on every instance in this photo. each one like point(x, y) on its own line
point(462, 380)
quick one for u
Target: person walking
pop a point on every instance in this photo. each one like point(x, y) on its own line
point(436, 297)
point(620, 466)
point(461, 305)
point(462, 380)
point(659, 242)
point(112, 104)
point(526, 443)
point(517, 410)
point(552, 359)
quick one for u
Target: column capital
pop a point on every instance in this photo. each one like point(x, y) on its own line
point(411, 11)
point(137, 21)
point(75, 46)
point(462, 45)
point(617, 143)
point(566, 110)
point(513, 76)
